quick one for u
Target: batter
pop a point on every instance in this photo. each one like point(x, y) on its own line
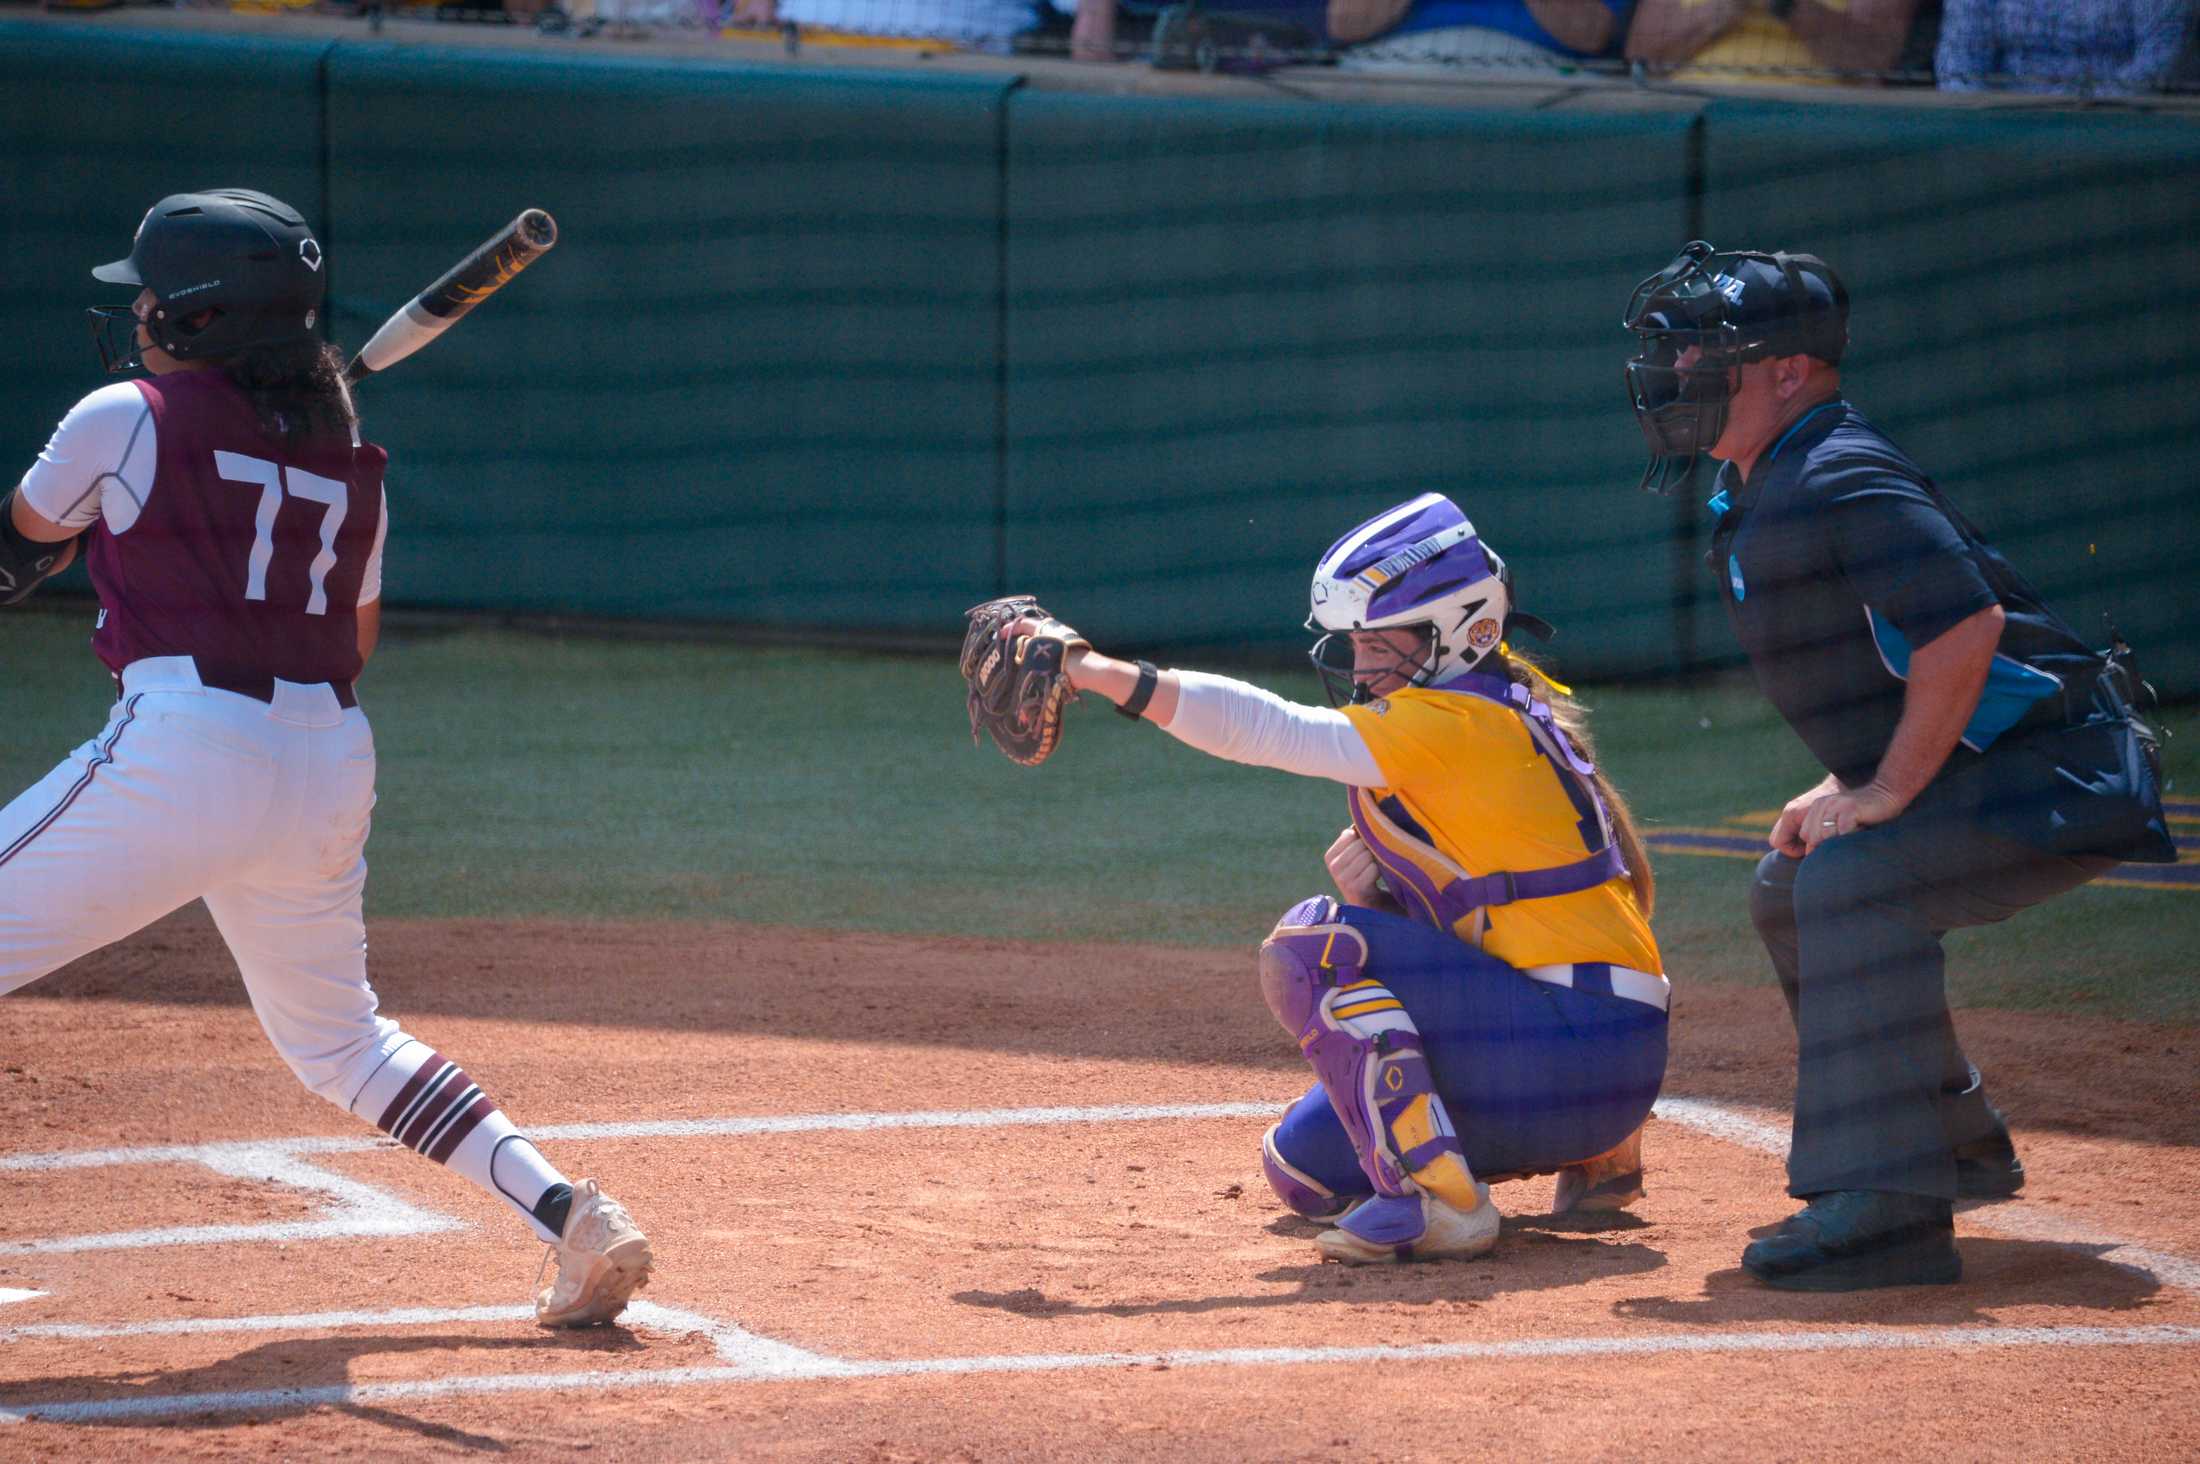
point(233, 522)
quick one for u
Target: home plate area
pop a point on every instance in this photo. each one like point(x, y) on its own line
point(1103, 1280)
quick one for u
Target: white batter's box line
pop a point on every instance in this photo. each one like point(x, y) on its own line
point(109, 1410)
point(353, 1208)
point(2018, 1219)
point(212, 1155)
point(358, 1209)
point(364, 1210)
point(810, 1123)
point(215, 1154)
point(735, 1346)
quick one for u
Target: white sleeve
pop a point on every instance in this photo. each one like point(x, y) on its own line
point(1244, 723)
point(99, 460)
point(370, 583)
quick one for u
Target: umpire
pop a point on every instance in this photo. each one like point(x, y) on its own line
point(1979, 757)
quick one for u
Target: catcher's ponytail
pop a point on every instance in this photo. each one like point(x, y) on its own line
point(1574, 719)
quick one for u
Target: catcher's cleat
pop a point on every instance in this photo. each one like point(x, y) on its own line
point(602, 1261)
point(1417, 1227)
point(1578, 1194)
point(1610, 1181)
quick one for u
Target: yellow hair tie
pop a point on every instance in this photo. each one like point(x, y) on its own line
point(1505, 649)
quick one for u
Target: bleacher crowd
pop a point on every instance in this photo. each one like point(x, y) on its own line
point(2101, 48)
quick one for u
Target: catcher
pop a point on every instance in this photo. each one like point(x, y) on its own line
point(1485, 998)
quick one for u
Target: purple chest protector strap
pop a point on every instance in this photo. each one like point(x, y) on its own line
point(1433, 888)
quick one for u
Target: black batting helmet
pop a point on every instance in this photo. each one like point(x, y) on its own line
point(247, 258)
point(1732, 307)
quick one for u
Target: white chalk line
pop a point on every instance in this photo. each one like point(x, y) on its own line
point(2017, 1219)
point(733, 1344)
point(217, 1154)
point(16, 1293)
point(364, 1210)
point(358, 1209)
point(746, 1357)
point(351, 1207)
point(1861, 1339)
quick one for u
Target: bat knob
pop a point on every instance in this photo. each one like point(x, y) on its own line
point(538, 228)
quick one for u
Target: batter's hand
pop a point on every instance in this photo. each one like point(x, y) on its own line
point(1352, 865)
point(1845, 812)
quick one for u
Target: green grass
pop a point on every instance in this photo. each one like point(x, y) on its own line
point(523, 774)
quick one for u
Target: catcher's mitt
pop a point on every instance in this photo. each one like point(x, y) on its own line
point(1017, 686)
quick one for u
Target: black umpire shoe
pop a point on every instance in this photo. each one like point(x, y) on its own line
point(1988, 1168)
point(1853, 1240)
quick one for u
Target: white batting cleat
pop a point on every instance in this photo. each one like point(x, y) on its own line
point(1417, 1227)
point(602, 1261)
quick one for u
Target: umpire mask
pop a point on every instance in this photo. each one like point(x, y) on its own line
point(1730, 308)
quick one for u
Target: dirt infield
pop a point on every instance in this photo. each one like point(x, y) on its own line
point(974, 1199)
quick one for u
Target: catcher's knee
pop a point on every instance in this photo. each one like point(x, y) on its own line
point(1301, 1191)
point(1307, 953)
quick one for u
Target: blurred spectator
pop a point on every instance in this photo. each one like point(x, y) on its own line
point(2100, 47)
point(975, 24)
point(1095, 35)
point(1727, 40)
point(2185, 75)
point(1411, 31)
point(1536, 32)
point(1915, 64)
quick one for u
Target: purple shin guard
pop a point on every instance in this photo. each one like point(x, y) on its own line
point(1364, 1048)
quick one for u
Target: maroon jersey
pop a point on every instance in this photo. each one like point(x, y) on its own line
point(246, 554)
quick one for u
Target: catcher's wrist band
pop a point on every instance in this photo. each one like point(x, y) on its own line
point(1134, 705)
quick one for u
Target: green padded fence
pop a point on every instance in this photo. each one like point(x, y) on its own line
point(93, 127)
point(1236, 329)
point(755, 381)
point(855, 349)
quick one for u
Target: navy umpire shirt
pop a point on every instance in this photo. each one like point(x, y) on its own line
point(1837, 558)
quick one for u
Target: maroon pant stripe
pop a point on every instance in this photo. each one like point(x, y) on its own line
point(467, 1122)
point(99, 759)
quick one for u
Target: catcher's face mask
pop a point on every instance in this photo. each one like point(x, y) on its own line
point(1699, 319)
point(1359, 666)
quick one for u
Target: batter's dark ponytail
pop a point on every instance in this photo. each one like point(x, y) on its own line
point(298, 390)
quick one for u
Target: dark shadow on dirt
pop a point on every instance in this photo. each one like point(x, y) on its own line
point(1524, 1262)
point(1997, 1274)
point(310, 1366)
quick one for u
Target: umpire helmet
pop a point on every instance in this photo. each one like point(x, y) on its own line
point(1733, 307)
point(1419, 565)
point(229, 269)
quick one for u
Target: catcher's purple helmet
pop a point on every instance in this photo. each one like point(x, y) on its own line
point(1419, 564)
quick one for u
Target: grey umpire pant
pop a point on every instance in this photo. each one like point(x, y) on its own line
point(1883, 1090)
